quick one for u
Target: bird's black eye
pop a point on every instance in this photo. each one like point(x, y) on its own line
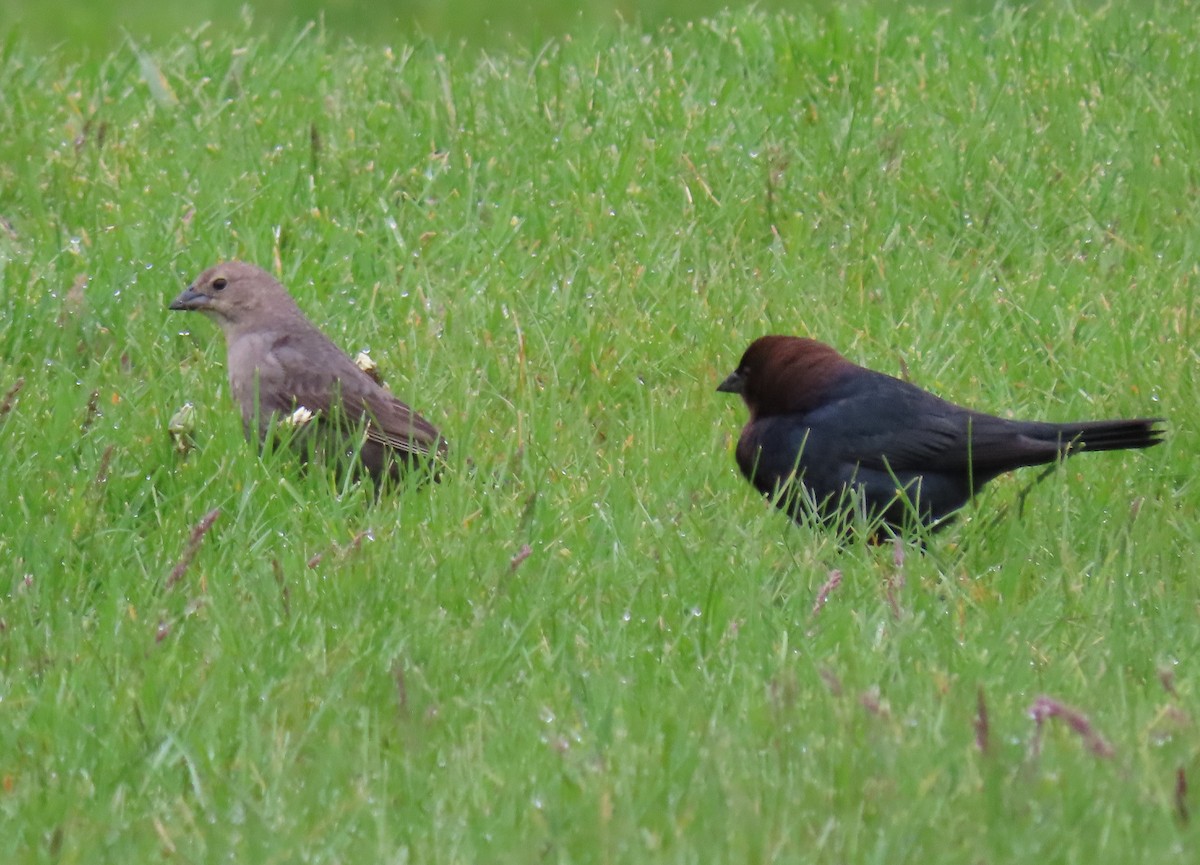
point(219, 283)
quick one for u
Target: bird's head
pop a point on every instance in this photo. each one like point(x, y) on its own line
point(234, 293)
point(784, 374)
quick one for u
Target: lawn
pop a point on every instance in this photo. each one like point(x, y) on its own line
point(592, 642)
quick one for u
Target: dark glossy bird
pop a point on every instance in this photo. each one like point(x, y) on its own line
point(284, 372)
point(828, 439)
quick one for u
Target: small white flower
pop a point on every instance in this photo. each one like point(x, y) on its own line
point(363, 361)
point(183, 421)
point(299, 417)
point(181, 426)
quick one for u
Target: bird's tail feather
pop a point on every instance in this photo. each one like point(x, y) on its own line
point(1111, 435)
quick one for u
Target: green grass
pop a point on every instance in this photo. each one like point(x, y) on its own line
point(555, 256)
point(94, 28)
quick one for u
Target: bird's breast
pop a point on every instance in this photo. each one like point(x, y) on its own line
point(252, 362)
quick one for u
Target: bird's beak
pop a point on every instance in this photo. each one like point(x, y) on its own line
point(734, 383)
point(189, 298)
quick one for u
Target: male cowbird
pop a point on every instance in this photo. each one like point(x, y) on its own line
point(284, 372)
point(858, 440)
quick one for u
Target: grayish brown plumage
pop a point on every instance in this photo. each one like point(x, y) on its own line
point(279, 363)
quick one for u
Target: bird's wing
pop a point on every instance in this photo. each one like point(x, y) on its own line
point(333, 386)
point(395, 424)
point(920, 445)
point(903, 428)
point(882, 422)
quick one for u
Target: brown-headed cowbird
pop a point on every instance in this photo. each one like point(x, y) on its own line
point(858, 440)
point(283, 371)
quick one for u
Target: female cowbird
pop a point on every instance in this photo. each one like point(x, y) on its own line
point(284, 372)
point(861, 441)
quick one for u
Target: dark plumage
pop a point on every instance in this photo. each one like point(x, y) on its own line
point(280, 363)
point(855, 438)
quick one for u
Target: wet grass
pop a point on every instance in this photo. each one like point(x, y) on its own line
point(592, 642)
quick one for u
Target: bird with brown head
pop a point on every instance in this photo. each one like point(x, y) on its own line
point(827, 438)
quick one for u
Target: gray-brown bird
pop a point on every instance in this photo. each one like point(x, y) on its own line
point(283, 370)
